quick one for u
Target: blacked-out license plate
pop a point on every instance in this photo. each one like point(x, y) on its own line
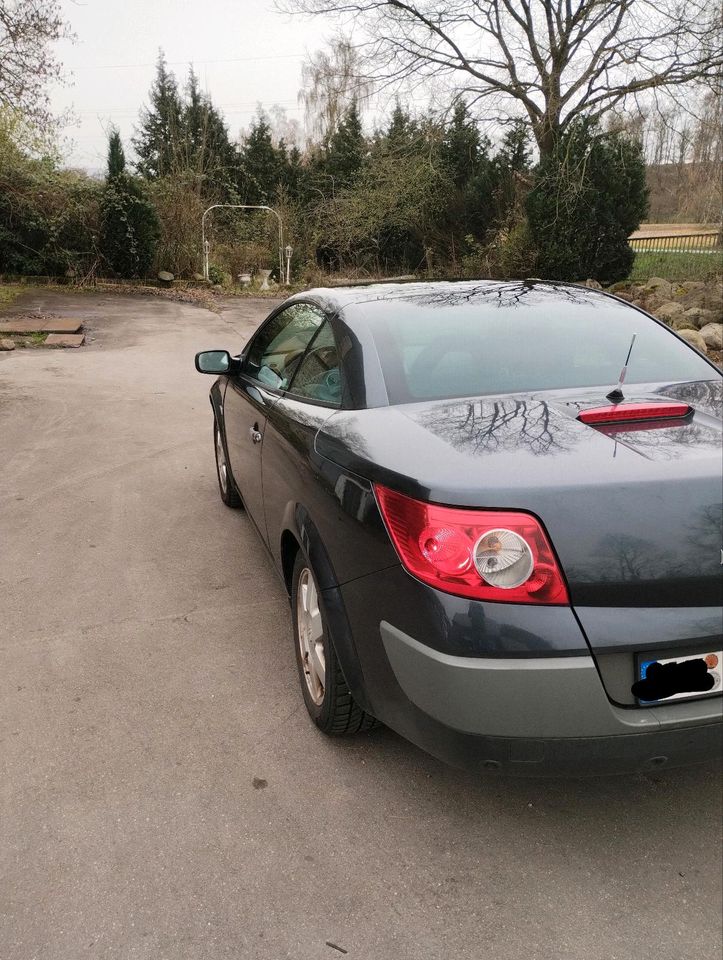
point(677, 678)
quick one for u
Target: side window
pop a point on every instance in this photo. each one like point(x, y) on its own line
point(279, 346)
point(319, 374)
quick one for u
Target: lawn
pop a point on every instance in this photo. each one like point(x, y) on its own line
point(677, 265)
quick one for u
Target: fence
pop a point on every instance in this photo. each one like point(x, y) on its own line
point(684, 256)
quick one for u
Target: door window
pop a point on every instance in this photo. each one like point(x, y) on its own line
point(318, 376)
point(279, 346)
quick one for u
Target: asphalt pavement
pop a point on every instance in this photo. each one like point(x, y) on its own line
point(163, 795)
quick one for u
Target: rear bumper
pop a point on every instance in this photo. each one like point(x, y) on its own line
point(536, 717)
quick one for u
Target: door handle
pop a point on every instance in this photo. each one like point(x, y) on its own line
point(255, 435)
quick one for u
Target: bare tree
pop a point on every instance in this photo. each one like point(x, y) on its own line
point(28, 29)
point(331, 79)
point(556, 59)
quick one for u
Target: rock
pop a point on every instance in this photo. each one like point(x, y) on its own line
point(712, 335)
point(659, 285)
point(7, 344)
point(638, 303)
point(199, 277)
point(165, 276)
point(682, 323)
point(694, 338)
point(624, 295)
point(593, 284)
point(652, 301)
point(698, 317)
point(668, 311)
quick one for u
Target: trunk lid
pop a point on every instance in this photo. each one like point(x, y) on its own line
point(633, 511)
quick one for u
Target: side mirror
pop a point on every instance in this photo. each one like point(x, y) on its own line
point(214, 361)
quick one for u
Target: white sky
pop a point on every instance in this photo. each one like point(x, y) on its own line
point(111, 66)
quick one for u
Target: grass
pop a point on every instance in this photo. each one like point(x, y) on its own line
point(677, 266)
point(10, 292)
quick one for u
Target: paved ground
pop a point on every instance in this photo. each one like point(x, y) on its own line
point(163, 795)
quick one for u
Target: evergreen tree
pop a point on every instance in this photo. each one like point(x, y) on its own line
point(512, 160)
point(259, 162)
point(465, 155)
point(157, 139)
point(402, 129)
point(347, 148)
point(587, 199)
point(116, 154)
point(129, 225)
point(206, 149)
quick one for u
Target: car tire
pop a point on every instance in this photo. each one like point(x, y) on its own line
point(226, 482)
point(327, 697)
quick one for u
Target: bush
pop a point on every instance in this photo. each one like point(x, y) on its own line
point(129, 228)
point(48, 217)
point(587, 199)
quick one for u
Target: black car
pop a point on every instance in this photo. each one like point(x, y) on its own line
point(491, 543)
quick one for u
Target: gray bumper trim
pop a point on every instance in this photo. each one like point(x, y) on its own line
point(545, 697)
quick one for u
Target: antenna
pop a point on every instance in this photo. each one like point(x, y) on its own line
point(617, 393)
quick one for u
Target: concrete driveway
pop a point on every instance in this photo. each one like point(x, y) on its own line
point(162, 792)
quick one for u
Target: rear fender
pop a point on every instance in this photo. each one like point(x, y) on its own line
point(298, 522)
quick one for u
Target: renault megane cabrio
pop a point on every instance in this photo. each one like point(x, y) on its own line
point(496, 509)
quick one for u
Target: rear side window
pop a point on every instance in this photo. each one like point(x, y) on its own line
point(515, 338)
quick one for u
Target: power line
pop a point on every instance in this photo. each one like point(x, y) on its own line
point(182, 63)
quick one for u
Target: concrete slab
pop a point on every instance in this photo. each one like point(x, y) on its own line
point(64, 340)
point(41, 325)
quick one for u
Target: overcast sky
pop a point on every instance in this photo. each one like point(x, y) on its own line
point(243, 52)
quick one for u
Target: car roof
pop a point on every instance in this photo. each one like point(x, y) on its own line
point(451, 292)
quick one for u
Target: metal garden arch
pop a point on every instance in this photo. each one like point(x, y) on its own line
point(240, 206)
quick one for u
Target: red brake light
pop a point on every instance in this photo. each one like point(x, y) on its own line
point(481, 554)
point(627, 412)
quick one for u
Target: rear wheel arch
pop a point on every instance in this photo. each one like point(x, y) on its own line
point(300, 535)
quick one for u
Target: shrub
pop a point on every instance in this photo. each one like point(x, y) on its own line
point(587, 199)
point(129, 228)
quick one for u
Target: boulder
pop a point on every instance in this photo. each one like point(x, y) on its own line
point(7, 344)
point(639, 303)
point(593, 284)
point(682, 323)
point(694, 338)
point(699, 317)
point(660, 286)
point(624, 295)
point(166, 277)
point(668, 311)
point(712, 335)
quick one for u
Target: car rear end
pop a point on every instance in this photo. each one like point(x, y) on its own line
point(557, 566)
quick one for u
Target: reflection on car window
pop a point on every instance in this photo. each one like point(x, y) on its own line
point(279, 346)
point(510, 338)
point(319, 376)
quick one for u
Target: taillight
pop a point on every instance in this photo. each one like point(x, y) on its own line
point(634, 412)
point(481, 554)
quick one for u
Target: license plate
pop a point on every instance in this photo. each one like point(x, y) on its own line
point(678, 678)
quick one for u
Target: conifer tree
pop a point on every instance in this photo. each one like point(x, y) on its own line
point(346, 148)
point(129, 225)
point(157, 140)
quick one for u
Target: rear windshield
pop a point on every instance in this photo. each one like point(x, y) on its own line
point(512, 338)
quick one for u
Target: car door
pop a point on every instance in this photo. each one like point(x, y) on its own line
point(267, 368)
point(289, 475)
